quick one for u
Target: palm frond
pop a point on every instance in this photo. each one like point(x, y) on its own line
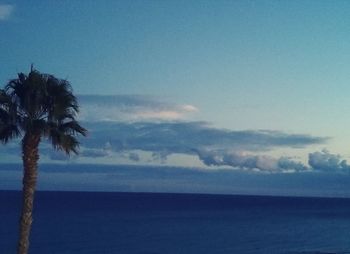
point(8, 126)
point(8, 132)
point(73, 128)
point(42, 104)
point(62, 141)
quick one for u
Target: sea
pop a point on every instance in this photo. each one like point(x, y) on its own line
point(162, 223)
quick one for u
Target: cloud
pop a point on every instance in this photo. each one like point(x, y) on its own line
point(325, 161)
point(5, 11)
point(134, 157)
point(286, 163)
point(188, 137)
point(319, 161)
point(131, 129)
point(213, 146)
point(160, 156)
point(123, 127)
point(153, 142)
point(94, 153)
point(241, 160)
point(130, 108)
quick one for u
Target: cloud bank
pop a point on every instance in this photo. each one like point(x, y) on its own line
point(188, 137)
point(5, 11)
point(212, 146)
point(142, 129)
point(125, 123)
point(250, 162)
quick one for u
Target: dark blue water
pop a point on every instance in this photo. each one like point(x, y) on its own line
point(134, 223)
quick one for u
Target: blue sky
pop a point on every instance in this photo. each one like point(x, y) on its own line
point(258, 86)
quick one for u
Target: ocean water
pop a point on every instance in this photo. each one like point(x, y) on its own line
point(141, 223)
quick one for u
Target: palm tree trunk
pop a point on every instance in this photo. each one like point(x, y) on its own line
point(30, 156)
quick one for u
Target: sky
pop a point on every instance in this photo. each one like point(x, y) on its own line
point(254, 88)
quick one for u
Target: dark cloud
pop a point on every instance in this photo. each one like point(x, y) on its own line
point(134, 157)
point(94, 153)
point(325, 161)
point(188, 137)
point(160, 156)
point(213, 146)
point(286, 163)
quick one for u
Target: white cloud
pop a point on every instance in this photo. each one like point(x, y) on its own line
point(5, 11)
point(189, 108)
point(161, 114)
point(327, 161)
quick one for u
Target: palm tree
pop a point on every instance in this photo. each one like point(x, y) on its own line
point(33, 107)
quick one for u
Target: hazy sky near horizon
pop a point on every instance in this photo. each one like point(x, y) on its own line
point(257, 85)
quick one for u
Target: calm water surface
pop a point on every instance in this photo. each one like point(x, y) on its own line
point(136, 223)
